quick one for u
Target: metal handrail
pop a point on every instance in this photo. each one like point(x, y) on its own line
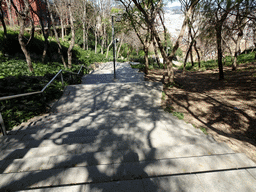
point(37, 92)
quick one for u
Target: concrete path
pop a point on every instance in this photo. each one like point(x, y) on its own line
point(108, 135)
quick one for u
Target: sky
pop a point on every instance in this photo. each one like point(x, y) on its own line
point(175, 3)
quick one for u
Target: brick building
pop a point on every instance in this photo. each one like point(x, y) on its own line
point(37, 8)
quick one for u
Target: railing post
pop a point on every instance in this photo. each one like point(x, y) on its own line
point(2, 125)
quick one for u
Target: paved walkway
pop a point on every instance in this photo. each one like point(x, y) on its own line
point(110, 135)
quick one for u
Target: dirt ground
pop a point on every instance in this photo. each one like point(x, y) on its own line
point(226, 109)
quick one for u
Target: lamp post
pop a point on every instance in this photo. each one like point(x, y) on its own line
point(118, 19)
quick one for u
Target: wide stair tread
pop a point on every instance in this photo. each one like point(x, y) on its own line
point(125, 171)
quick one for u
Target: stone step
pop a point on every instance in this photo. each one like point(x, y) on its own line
point(109, 78)
point(127, 171)
point(71, 132)
point(201, 182)
point(108, 141)
point(99, 121)
point(106, 96)
point(51, 160)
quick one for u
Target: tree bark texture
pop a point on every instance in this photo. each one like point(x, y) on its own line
point(156, 53)
point(2, 18)
point(219, 49)
point(56, 36)
point(198, 55)
point(11, 22)
point(121, 43)
point(72, 42)
point(23, 18)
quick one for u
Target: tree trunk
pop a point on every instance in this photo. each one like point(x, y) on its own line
point(254, 38)
point(237, 49)
point(2, 19)
point(191, 57)
point(176, 46)
point(121, 43)
point(146, 58)
point(46, 35)
point(62, 29)
point(86, 38)
point(56, 36)
point(22, 22)
point(156, 53)
point(84, 23)
point(198, 55)
point(72, 42)
point(103, 39)
point(11, 22)
point(219, 49)
point(186, 57)
point(108, 49)
point(165, 37)
point(96, 40)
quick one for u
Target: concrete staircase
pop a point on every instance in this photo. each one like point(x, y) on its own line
point(110, 135)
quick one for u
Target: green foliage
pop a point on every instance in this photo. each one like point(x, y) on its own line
point(179, 115)
point(227, 61)
point(163, 95)
point(15, 78)
point(204, 130)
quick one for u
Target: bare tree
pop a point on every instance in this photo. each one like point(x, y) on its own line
point(2, 18)
point(56, 35)
point(72, 42)
point(23, 16)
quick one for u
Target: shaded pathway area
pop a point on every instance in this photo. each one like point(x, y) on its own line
point(112, 135)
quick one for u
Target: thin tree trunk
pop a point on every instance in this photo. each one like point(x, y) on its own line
point(96, 40)
point(2, 19)
point(219, 49)
point(23, 20)
point(186, 57)
point(191, 57)
point(108, 49)
point(72, 42)
point(254, 38)
point(237, 50)
point(62, 29)
point(198, 55)
point(121, 43)
point(84, 24)
point(165, 37)
point(146, 57)
point(46, 35)
point(11, 22)
point(103, 40)
point(56, 36)
point(240, 36)
point(86, 38)
point(156, 53)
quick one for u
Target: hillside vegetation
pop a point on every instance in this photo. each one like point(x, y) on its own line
point(15, 78)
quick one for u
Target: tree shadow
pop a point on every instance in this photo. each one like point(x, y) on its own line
point(112, 121)
point(215, 103)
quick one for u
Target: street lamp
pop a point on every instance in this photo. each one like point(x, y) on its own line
point(118, 19)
